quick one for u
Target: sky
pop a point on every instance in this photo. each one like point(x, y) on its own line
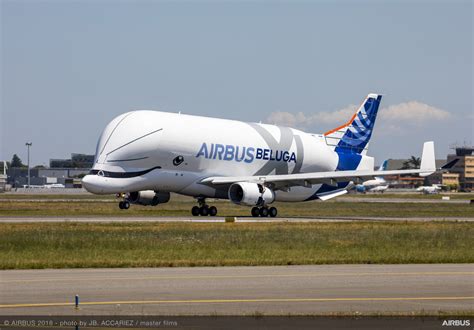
point(69, 67)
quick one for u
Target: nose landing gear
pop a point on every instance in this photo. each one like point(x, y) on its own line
point(203, 209)
point(123, 204)
point(264, 211)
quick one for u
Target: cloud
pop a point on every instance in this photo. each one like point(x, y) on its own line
point(393, 117)
point(414, 112)
point(286, 118)
point(301, 120)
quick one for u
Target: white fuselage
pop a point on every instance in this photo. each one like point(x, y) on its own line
point(369, 184)
point(375, 185)
point(434, 189)
point(174, 152)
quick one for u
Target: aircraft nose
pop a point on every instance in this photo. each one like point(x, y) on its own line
point(89, 182)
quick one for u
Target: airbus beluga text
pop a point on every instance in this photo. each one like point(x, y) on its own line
point(145, 155)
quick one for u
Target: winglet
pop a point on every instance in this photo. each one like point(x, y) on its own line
point(449, 165)
point(428, 164)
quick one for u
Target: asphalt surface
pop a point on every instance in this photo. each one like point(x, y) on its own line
point(318, 289)
point(121, 219)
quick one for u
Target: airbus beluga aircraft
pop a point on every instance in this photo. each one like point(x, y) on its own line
point(145, 155)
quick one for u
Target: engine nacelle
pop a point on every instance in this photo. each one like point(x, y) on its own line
point(252, 194)
point(148, 197)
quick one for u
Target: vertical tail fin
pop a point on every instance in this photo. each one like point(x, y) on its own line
point(354, 136)
point(383, 167)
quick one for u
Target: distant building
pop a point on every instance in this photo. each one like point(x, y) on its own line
point(69, 177)
point(460, 175)
point(76, 161)
point(451, 180)
point(62, 171)
point(464, 167)
point(411, 181)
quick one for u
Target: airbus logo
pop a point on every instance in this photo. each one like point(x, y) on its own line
point(246, 154)
point(456, 323)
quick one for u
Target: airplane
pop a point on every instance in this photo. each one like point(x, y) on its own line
point(144, 155)
point(433, 189)
point(378, 184)
point(380, 189)
point(54, 185)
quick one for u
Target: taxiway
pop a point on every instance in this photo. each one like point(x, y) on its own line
point(320, 289)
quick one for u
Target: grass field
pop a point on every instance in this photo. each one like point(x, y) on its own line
point(182, 207)
point(59, 245)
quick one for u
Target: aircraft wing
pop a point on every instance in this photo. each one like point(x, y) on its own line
point(428, 166)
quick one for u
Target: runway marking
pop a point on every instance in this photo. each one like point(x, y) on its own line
point(178, 277)
point(221, 301)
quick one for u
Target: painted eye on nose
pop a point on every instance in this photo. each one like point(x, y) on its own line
point(178, 160)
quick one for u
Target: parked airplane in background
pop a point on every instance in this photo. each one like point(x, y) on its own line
point(54, 185)
point(145, 155)
point(378, 184)
point(433, 189)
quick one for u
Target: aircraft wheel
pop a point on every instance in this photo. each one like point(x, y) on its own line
point(126, 205)
point(263, 212)
point(212, 211)
point(272, 211)
point(204, 210)
point(255, 212)
point(121, 205)
point(195, 211)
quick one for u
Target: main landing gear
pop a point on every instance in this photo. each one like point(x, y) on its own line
point(264, 211)
point(124, 205)
point(203, 209)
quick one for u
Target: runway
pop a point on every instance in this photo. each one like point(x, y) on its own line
point(122, 219)
point(276, 290)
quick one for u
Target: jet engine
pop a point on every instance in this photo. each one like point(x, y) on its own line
point(252, 194)
point(148, 197)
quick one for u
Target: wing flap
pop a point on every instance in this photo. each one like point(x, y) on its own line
point(332, 194)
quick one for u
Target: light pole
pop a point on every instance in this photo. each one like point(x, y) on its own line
point(28, 145)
